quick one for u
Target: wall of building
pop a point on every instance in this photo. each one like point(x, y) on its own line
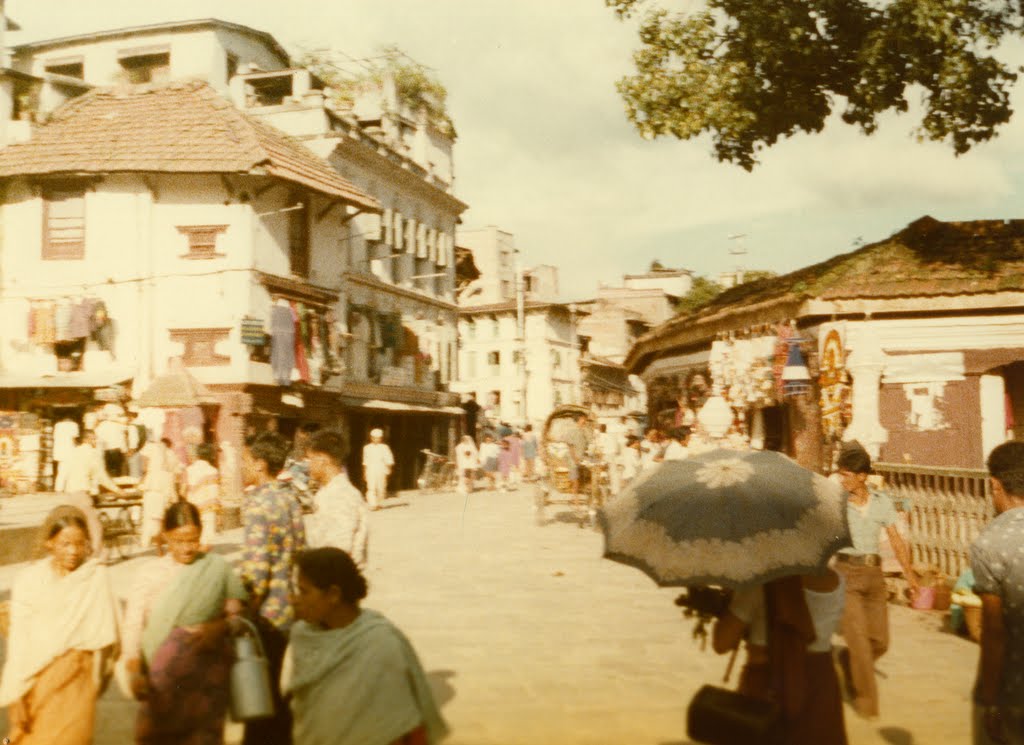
point(494, 255)
point(676, 284)
point(551, 357)
point(194, 54)
point(135, 262)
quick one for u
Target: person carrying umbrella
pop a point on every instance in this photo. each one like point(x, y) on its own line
point(757, 522)
point(865, 623)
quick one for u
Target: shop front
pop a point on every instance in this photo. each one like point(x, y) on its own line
point(41, 415)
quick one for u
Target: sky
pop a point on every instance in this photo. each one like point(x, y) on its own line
point(545, 150)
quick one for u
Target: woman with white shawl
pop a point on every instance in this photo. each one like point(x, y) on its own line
point(63, 636)
point(353, 677)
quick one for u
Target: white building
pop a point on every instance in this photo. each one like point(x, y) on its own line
point(515, 380)
point(177, 206)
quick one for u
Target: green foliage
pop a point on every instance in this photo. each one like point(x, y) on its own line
point(704, 290)
point(749, 73)
point(415, 85)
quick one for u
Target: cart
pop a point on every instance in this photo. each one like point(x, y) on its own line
point(121, 518)
point(555, 486)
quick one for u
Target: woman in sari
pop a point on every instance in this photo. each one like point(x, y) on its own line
point(801, 617)
point(63, 631)
point(352, 675)
point(176, 645)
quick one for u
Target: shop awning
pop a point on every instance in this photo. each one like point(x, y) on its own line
point(175, 389)
point(380, 405)
point(98, 379)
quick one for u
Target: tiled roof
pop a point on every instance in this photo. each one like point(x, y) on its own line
point(927, 259)
point(174, 128)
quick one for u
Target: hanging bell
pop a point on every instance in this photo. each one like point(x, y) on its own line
point(796, 379)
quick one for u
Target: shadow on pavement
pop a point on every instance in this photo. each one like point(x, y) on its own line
point(443, 690)
point(896, 735)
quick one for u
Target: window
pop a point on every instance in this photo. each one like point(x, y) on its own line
point(494, 359)
point(495, 327)
point(69, 68)
point(298, 234)
point(556, 359)
point(470, 329)
point(202, 240)
point(146, 67)
point(201, 346)
point(63, 223)
point(470, 364)
point(272, 90)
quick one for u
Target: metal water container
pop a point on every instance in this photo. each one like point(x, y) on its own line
point(251, 697)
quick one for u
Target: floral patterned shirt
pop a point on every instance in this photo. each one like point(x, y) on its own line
point(274, 535)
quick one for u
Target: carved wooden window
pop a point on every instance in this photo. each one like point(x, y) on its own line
point(63, 222)
point(201, 346)
point(202, 240)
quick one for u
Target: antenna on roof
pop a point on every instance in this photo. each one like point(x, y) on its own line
point(738, 248)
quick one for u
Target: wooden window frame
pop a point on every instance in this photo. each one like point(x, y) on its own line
point(202, 241)
point(63, 250)
point(201, 346)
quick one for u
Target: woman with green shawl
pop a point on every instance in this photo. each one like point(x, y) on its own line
point(353, 677)
point(176, 642)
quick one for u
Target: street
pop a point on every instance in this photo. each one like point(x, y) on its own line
point(529, 636)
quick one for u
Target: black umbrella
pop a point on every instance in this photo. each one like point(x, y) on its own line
point(726, 517)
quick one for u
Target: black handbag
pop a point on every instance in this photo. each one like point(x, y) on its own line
point(719, 716)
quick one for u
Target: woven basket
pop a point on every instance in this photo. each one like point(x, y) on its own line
point(972, 618)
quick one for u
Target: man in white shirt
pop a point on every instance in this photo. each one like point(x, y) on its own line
point(65, 433)
point(378, 461)
point(341, 517)
point(113, 441)
point(81, 476)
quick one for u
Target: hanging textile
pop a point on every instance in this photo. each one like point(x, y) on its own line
point(62, 320)
point(79, 324)
point(282, 343)
point(43, 324)
point(301, 365)
point(102, 328)
point(252, 332)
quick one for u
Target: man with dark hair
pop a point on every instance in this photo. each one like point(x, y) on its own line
point(997, 560)
point(865, 623)
point(273, 536)
point(341, 517)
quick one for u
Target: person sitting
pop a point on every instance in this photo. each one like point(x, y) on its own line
point(805, 613)
point(340, 652)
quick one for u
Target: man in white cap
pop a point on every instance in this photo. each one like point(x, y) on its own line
point(378, 460)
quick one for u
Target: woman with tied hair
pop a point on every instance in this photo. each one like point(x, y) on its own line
point(63, 633)
point(175, 644)
point(353, 677)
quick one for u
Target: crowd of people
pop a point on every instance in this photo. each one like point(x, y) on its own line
point(301, 582)
point(300, 585)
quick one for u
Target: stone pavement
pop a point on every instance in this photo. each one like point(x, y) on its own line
point(528, 636)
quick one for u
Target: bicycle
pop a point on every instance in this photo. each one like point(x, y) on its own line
point(438, 472)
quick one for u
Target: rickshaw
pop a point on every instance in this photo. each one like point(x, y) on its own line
point(555, 486)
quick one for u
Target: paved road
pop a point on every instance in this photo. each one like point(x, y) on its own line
point(530, 637)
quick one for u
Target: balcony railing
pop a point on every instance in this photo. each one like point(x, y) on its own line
point(948, 508)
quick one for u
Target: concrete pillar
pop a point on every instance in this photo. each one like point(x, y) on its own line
point(866, 363)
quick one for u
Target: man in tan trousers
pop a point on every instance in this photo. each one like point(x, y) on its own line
point(865, 623)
